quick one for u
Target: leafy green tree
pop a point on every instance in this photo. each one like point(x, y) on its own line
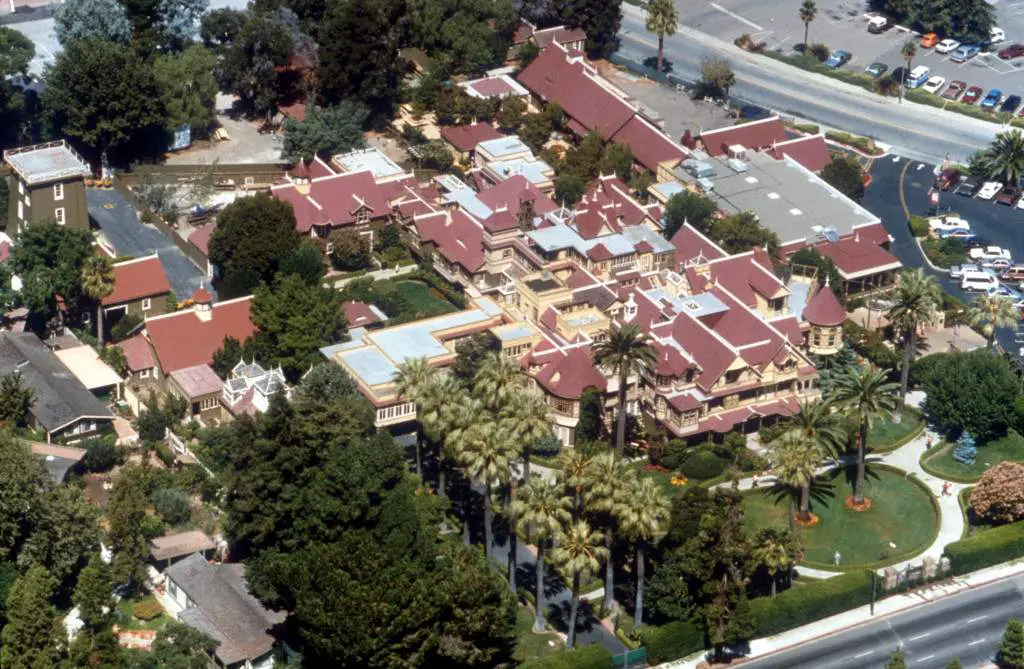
point(93, 594)
point(97, 283)
point(325, 131)
point(327, 382)
point(306, 260)
point(917, 298)
point(716, 78)
point(188, 89)
point(411, 378)
point(50, 258)
point(86, 75)
point(472, 35)
point(32, 635)
point(172, 504)
point(771, 551)
point(603, 498)
point(513, 108)
point(741, 232)
point(954, 664)
point(253, 63)
point(535, 131)
point(569, 188)
point(295, 319)
point(470, 354)
point(812, 434)
point(578, 553)
point(16, 52)
point(16, 109)
point(26, 484)
point(350, 250)
point(65, 531)
point(864, 394)
point(353, 67)
point(16, 399)
point(1011, 648)
point(662, 19)
point(616, 159)
point(897, 660)
point(643, 512)
point(693, 208)
point(126, 512)
point(436, 155)
point(808, 12)
point(252, 234)
point(525, 415)
point(600, 19)
point(541, 509)
point(161, 25)
point(591, 422)
point(103, 19)
point(845, 175)
point(487, 453)
point(624, 352)
point(230, 353)
point(1004, 158)
point(176, 646)
point(972, 392)
point(101, 453)
point(584, 159)
point(827, 272)
point(219, 28)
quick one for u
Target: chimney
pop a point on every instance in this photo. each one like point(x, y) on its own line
point(630, 313)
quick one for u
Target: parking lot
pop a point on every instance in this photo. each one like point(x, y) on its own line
point(841, 24)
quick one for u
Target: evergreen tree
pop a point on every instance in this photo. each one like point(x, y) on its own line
point(64, 531)
point(1011, 649)
point(92, 594)
point(896, 660)
point(600, 19)
point(32, 635)
point(954, 664)
point(965, 450)
point(126, 512)
point(25, 485)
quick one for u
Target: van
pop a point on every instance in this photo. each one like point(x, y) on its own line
point(918, 76)
point(978, 280)
point(1014, 273)
point(877, 24)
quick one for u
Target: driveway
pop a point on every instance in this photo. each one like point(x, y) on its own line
point(120, 228)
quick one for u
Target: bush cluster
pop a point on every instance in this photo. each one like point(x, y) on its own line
point(147, 609)
point(986, 548)
point(587, 657)
point(799, 606)
point(918, 226)
point(671, 641)
point(702, 465)
point(862, 143)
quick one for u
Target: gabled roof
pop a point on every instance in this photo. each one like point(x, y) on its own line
point(570, 372)
point(855, 257)
point(693, 247)
point(824, 309)
point(754, 135)
point(335, 199)
point(509, 195)
point(650, 146)
point(811, 151)
point(559, 34)
point(360, 314)
point(137, 353)
point(183, 339)
point(458, 237)
point(465, 137)
point(136, 279)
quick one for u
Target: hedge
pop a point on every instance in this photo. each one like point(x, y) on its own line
point(671, 641)
point(1000, 544)
point(919, 226)
point(587, 657)
point(802, 605)
point(147, 609)
point(164, 452)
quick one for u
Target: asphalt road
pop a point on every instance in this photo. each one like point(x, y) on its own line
point(968, 627)
point(917, 131)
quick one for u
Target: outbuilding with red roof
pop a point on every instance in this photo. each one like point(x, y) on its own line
point(141, 289)
point(190, 337)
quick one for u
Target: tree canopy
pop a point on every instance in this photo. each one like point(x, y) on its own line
point(104, 19)
point(846, 175)
point(188, 89)
point(969, 391)
point(253, 61)
point(325, 131)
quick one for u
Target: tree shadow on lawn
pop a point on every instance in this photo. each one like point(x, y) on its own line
point(586, 621)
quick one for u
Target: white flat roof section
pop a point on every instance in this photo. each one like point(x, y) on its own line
point(372, 160)
point(43, 163)
point(84, 362)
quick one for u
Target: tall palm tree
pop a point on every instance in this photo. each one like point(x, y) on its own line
point(487, 455)
point(864, 393)
point(578, 553)
point(439, 405)
point(808, 12)
point(412, 377)
point(498, 377)
point(771, 550)
point(991, 312)
point(643, 513)
point(541, 509)
point(607, 479)
point(525, 416)
point(815, 428)
point(574, 473)
point(1004, 158)
point(662, 19)
point(908, 51)
point(97, 283)
point(795, 462)
point(915, 301)
point(624, 352)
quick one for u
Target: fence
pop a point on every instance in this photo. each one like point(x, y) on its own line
point(630, 659)
point(251, 175)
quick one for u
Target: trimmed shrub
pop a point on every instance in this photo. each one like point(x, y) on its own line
point(147, 609)
point(702, 465)
point(587, 657)
point(799, 606)
point(101, 454)
point(674, 454)
point(173, 505)
point(985, 549)
point(164, 452)
point(918, 226)
point(671, 641)
point(547, 446)
point(999, 495)
point(124, 326)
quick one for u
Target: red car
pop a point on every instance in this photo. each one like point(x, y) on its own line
point(972, 95)
point(954, 90)
point(1012, 51)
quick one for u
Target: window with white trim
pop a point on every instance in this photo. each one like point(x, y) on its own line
point(58, 214)
point(21, 211)
point(147, 304)
point(28, 200)
point(144, 374)
point(250, 181)
point(21, 188)
point(58, 191)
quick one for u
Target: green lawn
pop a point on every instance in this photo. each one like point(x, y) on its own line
point(663, 479)
point(901, 513)
point(127, 621)
point(886, 435)
point(942, 462)
point(530, 646)
point(424, 300)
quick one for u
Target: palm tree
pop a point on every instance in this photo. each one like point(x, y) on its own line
point(908, 52)
point(771, 550)
point(97, 283)
point(607, 477)
point(624, 352)
point(917, 297)
point(578, 554)
point(812, 434)
point(498, 377)
point(808, 12)
point(662, 19)
point(487, 455)
point(643, 513)
point(1004, 159)
point(411, 377)
point(574, 473)
point(864, 393)
point(541, 509)
point(525, 416)
point(990, 312)
point(438, 409)
point(795, 462)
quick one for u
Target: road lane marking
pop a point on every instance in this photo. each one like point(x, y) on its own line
point(975, 643)
point(919, 636)
point(736, 16)
point(925, 659)
point(977, 618)
point(860, 655)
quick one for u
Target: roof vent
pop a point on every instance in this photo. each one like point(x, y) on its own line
point(738, 151)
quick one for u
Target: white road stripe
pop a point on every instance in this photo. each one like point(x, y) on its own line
point(976, 618)
point(859, 655)
point(919, 636)
point(736, 16)
point(975, 643)
point(925, 659)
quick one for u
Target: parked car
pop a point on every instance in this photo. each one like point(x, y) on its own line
point(876, 69)
point(929, 40)
point(754, 112)
point(1007, 196)
point(956, 271)
point(1012, 51)
point(978, 280)
point(1013, 273)
point(878, 24)
point(917, 77)
point(996, 35)
point(934, 85)
point(988, 253)
point(954, 90)
point(964, 53)
point(989, 189)
point(941, 224)
point(968, 186)
point(972, 95)
point(1010, 104)
point(998, 264)
point(992, 98)
point(947, 46)
point(948, 178)
point(837, 59)
point(962, 234)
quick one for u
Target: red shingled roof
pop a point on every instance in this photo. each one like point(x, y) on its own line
point(744, 276)
point(137, 353)
point(200, 237)
point(359, 314)
point(824, 309)
point(874, 233)
point(570, 373)
point(754, 135)
point(182, 339)
point(509, 195)
point(559, 34)
point(136, 279)
point(335, 200)
point(458, 237)
point(690, 244)
point(857, 257)
point(649, 145)
point(811, 152)
point(465, 137)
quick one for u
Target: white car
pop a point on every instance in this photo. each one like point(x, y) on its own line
point(934, 85)
point(947, 224)
point(989, 190)
point(997, 35)
point(989, 253)
point(947, 46)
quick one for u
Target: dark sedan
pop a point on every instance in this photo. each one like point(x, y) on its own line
point(954, 90)
point(1011, 104)
point(972, 95)
point(968, 187)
